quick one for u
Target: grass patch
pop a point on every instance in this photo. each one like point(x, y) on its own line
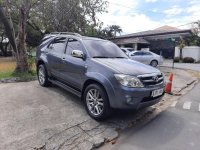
point(7, 74)
point(25, 76)
point(7, 67)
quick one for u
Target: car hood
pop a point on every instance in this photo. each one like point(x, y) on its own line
point(126, 66)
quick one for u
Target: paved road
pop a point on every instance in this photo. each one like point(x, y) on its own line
point(195, 67)
point(177, 128)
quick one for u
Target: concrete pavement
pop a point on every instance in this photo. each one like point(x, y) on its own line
point(177, 128)
point(33, 117)
point(168, 63)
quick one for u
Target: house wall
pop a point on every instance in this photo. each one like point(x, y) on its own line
point(189, 51)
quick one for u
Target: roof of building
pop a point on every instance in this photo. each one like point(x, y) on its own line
point(167, 28)
point(130, 40)
point(159, 31)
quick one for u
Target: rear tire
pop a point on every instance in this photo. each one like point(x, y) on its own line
point(154, 63)
point(43, 76)
point(96, 102)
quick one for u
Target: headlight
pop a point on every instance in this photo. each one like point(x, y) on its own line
point(128, 80)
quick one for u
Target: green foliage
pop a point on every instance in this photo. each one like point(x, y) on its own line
point(33, 37)
point(194, 39)
point(7, 74)
point(188, 60)
point(31, 62)
point(24, 76)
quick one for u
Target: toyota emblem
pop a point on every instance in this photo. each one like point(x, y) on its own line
point(155, 78)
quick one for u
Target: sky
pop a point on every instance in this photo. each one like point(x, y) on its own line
point(141, 15)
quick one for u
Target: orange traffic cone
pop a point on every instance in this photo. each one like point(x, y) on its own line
point(168, 87)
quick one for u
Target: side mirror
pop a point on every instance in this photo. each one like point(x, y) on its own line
point(78, 54)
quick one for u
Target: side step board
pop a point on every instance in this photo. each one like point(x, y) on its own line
point(68, 88)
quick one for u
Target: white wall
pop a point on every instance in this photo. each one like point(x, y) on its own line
point(189, 51)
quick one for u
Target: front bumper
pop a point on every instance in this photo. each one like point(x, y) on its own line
point(135, 98)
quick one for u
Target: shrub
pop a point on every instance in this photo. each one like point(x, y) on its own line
point(188, 60)
point(176, 59)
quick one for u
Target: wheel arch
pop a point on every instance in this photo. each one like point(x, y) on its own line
point(89, 82)
point(104, 83)
point(154, 60)
point(44, 62)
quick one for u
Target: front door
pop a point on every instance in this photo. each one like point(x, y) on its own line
point(73, 69)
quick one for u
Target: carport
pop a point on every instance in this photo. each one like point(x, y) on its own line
point(161, 40)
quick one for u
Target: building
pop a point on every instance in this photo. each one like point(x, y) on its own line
point(161, 40)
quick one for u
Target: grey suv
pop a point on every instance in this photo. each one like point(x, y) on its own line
point(98, 72)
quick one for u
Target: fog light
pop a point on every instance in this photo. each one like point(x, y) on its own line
point(129, 99)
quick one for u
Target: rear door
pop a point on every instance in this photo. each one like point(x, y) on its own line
point(55, 52)
point(73, 69)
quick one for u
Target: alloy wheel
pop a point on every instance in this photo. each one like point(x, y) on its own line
point(94, 102)
point(41, 75)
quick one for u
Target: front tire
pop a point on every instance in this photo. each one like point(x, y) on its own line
point(154, 63)
point(96, 102)
point(43, 76)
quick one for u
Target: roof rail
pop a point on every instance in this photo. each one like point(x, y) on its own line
point(66, 33)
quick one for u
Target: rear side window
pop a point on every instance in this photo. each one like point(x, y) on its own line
point(123, 50)
point(73, 44)
point(130, 49)
point(137, 54)
point(58, 45)
point(146, 53)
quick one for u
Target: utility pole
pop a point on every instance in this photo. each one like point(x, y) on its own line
point(174, 45)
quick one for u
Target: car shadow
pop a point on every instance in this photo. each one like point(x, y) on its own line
point(117, 115)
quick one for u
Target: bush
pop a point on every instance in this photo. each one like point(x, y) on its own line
point(176, 59)
point(188, 60)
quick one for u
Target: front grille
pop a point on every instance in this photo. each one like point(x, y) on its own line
point(152, 79)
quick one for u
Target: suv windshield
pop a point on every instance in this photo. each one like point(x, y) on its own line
point(103, 49)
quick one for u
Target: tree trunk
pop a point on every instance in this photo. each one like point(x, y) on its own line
point(181, 54)
point(22, 64)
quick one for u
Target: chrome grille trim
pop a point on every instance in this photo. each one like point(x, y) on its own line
point(153, 79)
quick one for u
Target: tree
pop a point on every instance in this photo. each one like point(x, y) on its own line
point(19, 45)
point(68, 15)
point(109, 31)
point(116, 29)
point(194, 39)
point(181, 45)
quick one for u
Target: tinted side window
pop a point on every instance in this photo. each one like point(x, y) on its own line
point(146, 53)
point(137, 54)
point(73, 44)
point(131, 49)
point(58, 45)
point(123, 50)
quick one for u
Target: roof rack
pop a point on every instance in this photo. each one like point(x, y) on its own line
point(65, 33)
